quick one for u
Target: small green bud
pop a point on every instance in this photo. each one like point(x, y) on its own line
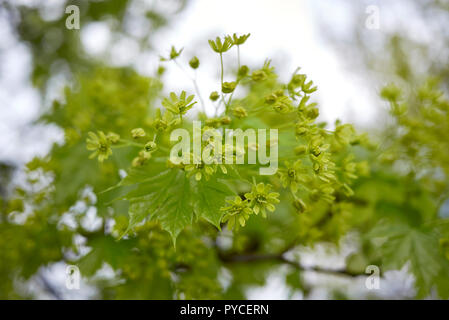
point(150, 146)
point(138, 133)
point(228, 87)
point(239, 112)
point(243, 71)
point(174, 54)
point(160, 125)
point(298, 80)
point(279, 93)
point(214, 96)
point(194, 63)
point(270, 99)
point(141, 159)
point(299, 205)
point(225, 120)
point(283, 104)
point(301, 129)
point(312, 113)
point(259, 75)
point(315, 150)
point(160, 70)
point(113, 137)
point(390, 93)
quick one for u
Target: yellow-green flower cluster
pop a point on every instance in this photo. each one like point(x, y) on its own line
point(101, 144)
point(237, 213)
point(179, 104)
point(261, 198)
point(291, 176)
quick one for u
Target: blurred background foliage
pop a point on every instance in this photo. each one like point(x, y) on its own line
point(47, 218)
point(59, 50)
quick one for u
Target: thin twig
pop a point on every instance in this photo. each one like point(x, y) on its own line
point(49, 287)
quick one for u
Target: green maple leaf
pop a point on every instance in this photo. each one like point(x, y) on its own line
point(172, 199)
point(168, 197)
point(209, 197)
point(400, 244)
point(165, 198)
point(176, 212)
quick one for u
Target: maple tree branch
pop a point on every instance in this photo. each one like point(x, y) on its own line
point(280, 258)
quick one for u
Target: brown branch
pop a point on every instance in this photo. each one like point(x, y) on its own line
point(279, 258)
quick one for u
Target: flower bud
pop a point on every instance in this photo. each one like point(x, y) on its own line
point(174, 53)
point(160, 70)
point(194, 63)
point(239, 112)
point(214, 96)
point(279, 93)
point(299, 205)
point(243, 71)
point(160, 125)
point(228, 87)
point(150, 146)
point(270, 99)
point(259, 75)
point(390, 93)
point(315, 150)
point(298, 80)
point(301, 129)
point(137, 133)
point(312, 113)
point(113, 137)
point(225, 120)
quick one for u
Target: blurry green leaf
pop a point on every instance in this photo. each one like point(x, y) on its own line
point(401, 244)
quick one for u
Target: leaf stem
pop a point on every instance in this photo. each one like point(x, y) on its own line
point(221, 62)
point(238, 57)
point(129, 143)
